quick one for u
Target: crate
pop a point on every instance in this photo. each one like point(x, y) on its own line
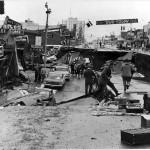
point(145, 121)
point(133, 101)
point(137, 109)
point(122, 101)
point(135, 136)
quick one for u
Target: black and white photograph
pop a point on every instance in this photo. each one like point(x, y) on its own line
point(74, 74)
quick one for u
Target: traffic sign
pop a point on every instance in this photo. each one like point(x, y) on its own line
point(120, 21)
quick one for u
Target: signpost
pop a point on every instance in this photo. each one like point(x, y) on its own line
point(120, 21)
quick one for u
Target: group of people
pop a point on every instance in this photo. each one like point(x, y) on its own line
point(77, 68)
point(40, 73)
point(103, 80)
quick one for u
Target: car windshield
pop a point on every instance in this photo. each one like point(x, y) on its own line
point(55, 76)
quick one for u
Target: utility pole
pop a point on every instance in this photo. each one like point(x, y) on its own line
point(48, 11)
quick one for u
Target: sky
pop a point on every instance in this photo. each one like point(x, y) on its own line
point(84, 10)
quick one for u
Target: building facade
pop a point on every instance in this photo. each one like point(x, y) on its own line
point(147, 31)
point(75, 24)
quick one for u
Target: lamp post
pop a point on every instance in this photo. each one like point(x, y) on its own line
point(48, 11)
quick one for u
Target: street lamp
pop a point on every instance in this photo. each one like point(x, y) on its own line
point(48, 11)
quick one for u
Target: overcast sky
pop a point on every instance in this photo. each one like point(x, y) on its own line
point(93, 10)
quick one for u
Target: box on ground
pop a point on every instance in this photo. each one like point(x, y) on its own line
point(130, 109)
point(145, 121)
point(122, 101)
point(136, 136)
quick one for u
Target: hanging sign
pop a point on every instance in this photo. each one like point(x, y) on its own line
point(120, 21)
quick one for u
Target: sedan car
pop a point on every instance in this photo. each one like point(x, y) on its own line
point(54, 79)
point(64, 69)
point(21, 97)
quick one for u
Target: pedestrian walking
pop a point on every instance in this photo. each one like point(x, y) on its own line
point(89, 75)
point(134, 69)
point(126, 70)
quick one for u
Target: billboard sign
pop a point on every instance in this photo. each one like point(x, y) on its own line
point(11, 22)
point(120, 21)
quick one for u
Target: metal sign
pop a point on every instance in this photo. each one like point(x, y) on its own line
point(11, 22)
point(120, 21)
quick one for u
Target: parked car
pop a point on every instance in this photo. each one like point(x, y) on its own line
point(54, 79)
point(64, 69)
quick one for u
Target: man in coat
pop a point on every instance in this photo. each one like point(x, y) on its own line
point(89, 79)
point(127, 71)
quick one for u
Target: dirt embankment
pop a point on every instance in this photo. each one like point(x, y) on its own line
point(64, 127)
point(25, 128)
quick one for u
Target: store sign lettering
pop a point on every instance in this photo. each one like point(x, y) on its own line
point(120, 21)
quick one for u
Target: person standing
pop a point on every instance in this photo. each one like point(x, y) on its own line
point(100, 44)
point(89, 75)
point(78, 70)
point(72, 67)
point(126, 70)
point(36, 69)
point(75, 68)
point(43, 74)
